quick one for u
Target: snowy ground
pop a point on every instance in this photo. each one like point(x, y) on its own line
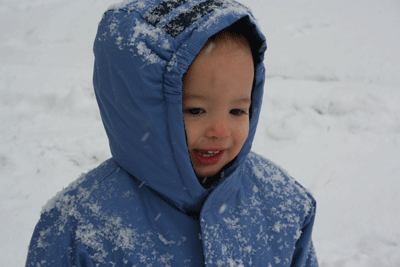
point(330, 116)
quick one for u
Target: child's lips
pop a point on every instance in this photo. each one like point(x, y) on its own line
point(208, 156)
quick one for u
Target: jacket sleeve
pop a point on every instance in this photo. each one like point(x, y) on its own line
point(54, 243)
point(304, 253)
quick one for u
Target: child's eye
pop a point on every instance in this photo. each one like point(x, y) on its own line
point(195, 111)
point(237, 112)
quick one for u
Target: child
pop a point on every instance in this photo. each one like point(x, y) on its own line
point(179, 85)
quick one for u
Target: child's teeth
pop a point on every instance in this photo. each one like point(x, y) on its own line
point(208, 153)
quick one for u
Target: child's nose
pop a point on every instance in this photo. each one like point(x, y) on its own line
point(219, 128)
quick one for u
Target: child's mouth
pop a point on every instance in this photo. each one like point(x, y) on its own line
point(208, 157)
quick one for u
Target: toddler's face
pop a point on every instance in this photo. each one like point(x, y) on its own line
point(216, 105)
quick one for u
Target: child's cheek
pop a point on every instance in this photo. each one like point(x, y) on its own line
point(243, 132)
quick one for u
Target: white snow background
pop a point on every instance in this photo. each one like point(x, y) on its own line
point(330, 115)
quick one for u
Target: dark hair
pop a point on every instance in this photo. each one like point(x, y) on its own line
point(243, 28)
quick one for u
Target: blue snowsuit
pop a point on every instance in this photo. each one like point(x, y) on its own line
point(145, 205)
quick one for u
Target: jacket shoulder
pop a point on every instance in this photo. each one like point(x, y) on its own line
point(69, 220)
point(79, 190)
point(275, 184)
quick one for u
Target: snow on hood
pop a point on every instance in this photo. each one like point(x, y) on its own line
point(142, 50)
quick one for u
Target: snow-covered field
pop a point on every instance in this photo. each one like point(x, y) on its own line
point(331, 115)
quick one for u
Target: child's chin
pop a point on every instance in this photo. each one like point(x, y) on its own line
point(209, 172)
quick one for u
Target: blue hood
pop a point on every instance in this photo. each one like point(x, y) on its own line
point(142, 50)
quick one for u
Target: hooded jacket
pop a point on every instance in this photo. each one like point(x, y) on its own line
point(145, 205)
